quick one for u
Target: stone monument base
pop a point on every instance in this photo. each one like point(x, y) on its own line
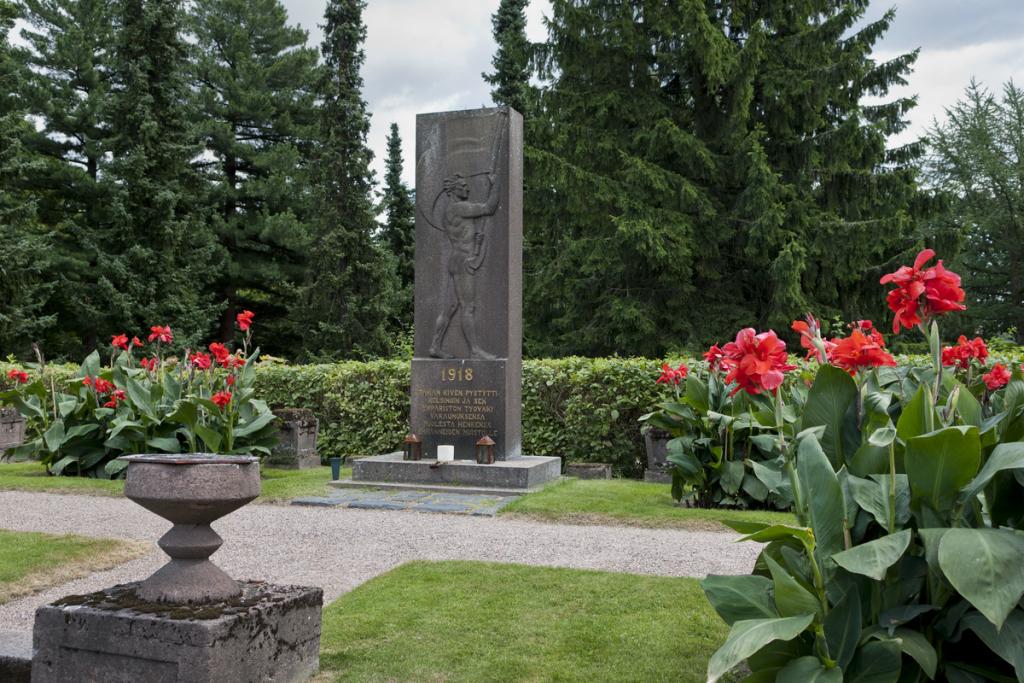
point(521, 475)
point(270, 633)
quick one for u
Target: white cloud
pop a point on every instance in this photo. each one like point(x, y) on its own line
point(941, 75)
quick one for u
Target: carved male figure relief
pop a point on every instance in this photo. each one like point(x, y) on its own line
point(464, 224)
point(466, 256)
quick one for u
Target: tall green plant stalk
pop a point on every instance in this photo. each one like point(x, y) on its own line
point(787, 457)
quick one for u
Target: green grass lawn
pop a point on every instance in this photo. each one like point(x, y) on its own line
point(625, 501)
point(31, 561)
point(474, 621)
point(278, 485)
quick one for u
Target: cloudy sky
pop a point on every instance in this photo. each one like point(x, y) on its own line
point(427, 55)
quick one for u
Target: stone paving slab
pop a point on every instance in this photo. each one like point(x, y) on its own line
point(474, 504)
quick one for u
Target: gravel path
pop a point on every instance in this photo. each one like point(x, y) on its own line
point(338, 549)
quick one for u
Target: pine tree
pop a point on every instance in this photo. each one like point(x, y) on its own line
point(511, 77)
point(615, 183)
point(697, 168)
point(351, 289)
point(25, 262)
point(977, 154)
point(163, 256)
point(255, 81)
point(66, 91)
point(399, 233)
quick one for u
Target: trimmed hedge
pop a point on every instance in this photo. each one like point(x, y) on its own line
point(582, 409)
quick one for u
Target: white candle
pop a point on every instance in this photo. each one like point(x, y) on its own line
point(445, 453)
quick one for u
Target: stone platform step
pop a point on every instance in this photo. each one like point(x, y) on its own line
point(523, 474)
point(15, 656)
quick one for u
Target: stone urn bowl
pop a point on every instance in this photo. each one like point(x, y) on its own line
point(191, 491)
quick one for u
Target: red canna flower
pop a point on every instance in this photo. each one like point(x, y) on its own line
point(940, 289)
point(119, 341)
point(672, 376)
point(200, 360)
point(220, 353)
point(149, 364)
point(161, 334)
point(860, 350)
point(961, 354)
point(102, 386)
point(756, 362)
point(810, 333)
point(19, 376)
point(115, 397)
point(87, 381)
point(231, 380)
point(137, 343)
point(997, 378)
point(714, 357)
point(221, 398)
point(245, 320)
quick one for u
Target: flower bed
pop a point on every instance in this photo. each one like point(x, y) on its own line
point(81, 422)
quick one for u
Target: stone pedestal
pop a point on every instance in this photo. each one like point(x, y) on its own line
point(12, 429)
point(656, 443)
point(269, 633)
point(296, 440)
point(467, 364)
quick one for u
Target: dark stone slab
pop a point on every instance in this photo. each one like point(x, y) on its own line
point(467, 365)
point(379, 504)
point(15, 656)
point(523, 473)
point(271, 633)
point(588, 470)
point(442, 507)
point(321, 501)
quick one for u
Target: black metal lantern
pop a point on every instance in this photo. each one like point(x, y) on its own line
point(485, 451)
point(413, 448)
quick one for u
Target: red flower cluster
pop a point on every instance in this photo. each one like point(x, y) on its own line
point(221, 398)
point(161, 334)
point(714, 357)
point(939, 287)
point(115, 397)
point(997, 378)
point(864, 348)
point(756, 362)
point(200, 360)
point(224, 357)
point(244, 320)
point(673, 375)
point(961, 354)
point(810, 331)
point(101, 385)
point(119, 341)
point(19, 376)
point(149, 364)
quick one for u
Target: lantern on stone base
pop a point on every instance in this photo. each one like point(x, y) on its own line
point(413, 448)
point(485, 451)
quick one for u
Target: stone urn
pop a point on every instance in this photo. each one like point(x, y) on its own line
point(191, 491)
